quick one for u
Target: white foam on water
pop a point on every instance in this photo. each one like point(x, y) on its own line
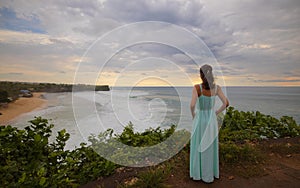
point(115, 109)
point(98, 111)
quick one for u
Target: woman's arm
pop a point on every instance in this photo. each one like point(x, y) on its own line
point(223, 99)
point(193, 101)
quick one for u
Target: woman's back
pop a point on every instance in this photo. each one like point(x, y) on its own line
point(206, 98)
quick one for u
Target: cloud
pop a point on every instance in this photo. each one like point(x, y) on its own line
point(17, 37)
point(247, 37)
point(9, 20)
point(277, 80)
point(175, 11)
point(15, 73)
point(263, 34)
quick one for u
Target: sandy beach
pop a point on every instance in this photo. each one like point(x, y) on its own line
point(21, 106)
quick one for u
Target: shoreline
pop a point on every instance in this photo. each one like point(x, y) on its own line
point(21, 106)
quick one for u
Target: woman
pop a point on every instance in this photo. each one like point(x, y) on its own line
point(204, 156)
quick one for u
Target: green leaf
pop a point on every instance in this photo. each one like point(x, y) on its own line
point(22, 179)
point(41, 172)
point(42, 181)
point(37, 138)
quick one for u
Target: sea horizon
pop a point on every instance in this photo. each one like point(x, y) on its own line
point(37, 82)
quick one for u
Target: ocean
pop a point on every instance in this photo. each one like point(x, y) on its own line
point(86, 113)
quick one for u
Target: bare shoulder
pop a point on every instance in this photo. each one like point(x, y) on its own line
point(219, 90)
point(197, 88)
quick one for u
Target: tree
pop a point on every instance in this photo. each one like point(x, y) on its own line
point(3, 96)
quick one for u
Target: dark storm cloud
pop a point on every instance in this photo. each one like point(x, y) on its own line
point(176, 12)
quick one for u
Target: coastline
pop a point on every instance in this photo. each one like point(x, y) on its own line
point(22, 106)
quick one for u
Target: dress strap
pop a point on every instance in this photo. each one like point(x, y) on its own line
point(200, 88)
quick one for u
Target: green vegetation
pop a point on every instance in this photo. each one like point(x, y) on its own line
point(240, 133)
point(13, 88)
point(3, 96)
point(28, 159)
point(112, 145)
point(241, 130)
point(239, 126)
point(154, 177)
point(149, 137)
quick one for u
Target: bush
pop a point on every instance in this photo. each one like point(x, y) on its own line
point(27, 159)
point(115, 147)
point(240, 130)
point(3, 96)
point(258, 125)
point(149, 137)
point(231, 153)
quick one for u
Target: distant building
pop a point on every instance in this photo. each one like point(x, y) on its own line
point(25, 93)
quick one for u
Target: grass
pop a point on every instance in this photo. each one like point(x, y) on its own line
point(154, 177)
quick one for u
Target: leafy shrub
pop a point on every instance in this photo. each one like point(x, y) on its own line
point(149, 143)
point(149, 137)
point(3, 96)
point(232, 153)
point(240, 128)
point(259, 125)
point(27, 159)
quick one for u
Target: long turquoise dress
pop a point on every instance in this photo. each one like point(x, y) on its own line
point(204, 155)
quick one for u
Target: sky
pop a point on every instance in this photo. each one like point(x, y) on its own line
point(149, 43)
